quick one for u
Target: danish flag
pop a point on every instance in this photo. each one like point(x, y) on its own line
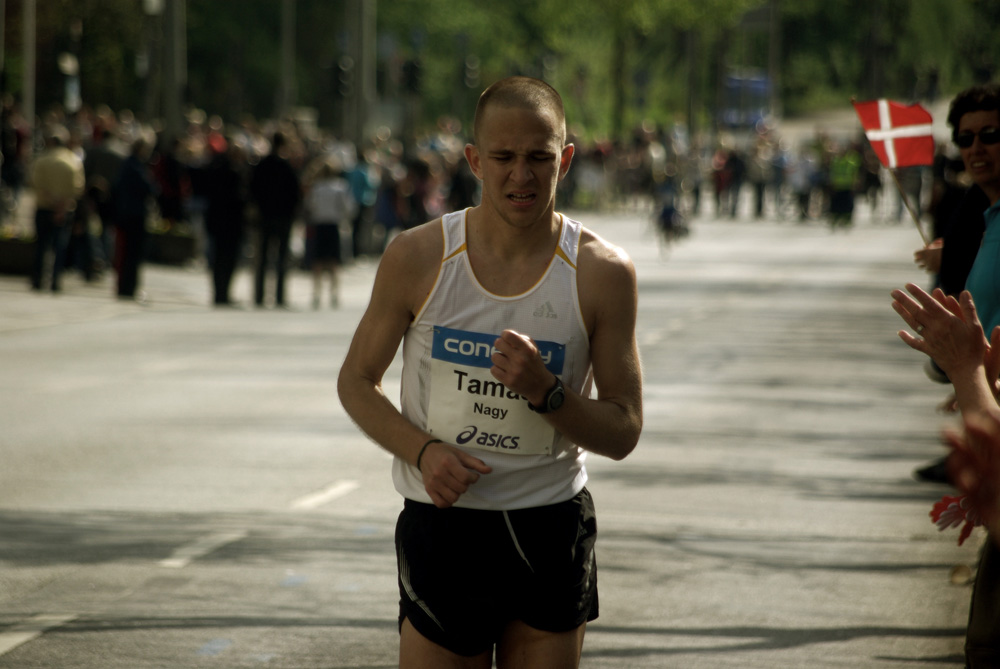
point(901, 135)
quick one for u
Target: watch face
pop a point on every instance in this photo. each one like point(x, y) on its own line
point(556, 399)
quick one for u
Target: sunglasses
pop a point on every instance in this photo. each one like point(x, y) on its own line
point(987, 136)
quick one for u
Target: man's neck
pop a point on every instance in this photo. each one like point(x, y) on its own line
point(489, 233)
point(506, 259)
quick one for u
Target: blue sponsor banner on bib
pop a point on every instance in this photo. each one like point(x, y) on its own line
point(475, 349)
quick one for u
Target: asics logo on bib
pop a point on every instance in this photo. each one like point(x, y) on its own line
point(496, 440)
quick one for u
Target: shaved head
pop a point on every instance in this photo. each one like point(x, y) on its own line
point(523, 92)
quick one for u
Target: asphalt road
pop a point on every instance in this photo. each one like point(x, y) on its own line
point(180, 488)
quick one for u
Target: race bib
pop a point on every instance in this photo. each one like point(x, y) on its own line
point(471, 409)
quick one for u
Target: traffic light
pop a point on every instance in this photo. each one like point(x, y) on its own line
point(471, 77)
point(411, 75)
point(345, 77)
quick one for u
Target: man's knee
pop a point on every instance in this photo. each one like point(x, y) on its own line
point(418, 652)
point(524, 647)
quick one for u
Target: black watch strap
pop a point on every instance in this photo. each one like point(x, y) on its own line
point(553, 398)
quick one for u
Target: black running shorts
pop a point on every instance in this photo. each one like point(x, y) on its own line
point(465, 573)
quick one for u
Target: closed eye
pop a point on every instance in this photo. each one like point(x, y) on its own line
point(534, 157)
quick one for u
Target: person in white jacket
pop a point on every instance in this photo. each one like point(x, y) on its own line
point(329, 205)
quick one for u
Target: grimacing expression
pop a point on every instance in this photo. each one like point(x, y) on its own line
point(520, 157)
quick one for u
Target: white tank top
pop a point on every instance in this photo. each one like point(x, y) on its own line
point(448, 390)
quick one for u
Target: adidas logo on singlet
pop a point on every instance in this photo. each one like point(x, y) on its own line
point(546, 311)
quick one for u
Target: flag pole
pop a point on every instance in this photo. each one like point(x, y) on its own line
point(909, 207)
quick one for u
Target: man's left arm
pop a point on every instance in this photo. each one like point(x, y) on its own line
point(610, 424)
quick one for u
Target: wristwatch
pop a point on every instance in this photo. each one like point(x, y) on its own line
point(553, 399)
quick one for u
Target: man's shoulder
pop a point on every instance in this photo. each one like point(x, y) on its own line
point(606, 277)
point(598, 251)
point(420, 245)
point(411, 262)
point(415, 252)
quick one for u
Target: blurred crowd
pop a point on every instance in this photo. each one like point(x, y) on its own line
point(393, 185)
point(390, 186)
point(756, 174)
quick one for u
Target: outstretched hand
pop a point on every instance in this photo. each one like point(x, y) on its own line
point(948, 330)
point(974, 466)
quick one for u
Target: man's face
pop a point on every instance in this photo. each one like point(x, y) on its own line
point(982, 161)
point(520, 157)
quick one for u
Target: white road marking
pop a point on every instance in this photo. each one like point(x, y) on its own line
point(196, 549)
point(327, 494)
point(183, 556)
point(31, 629)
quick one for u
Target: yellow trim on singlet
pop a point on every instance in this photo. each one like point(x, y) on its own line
point(559, 250)
point(562, 254)
point(464, 247)
point(460, 249)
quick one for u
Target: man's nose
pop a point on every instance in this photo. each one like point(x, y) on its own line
point(522, 171)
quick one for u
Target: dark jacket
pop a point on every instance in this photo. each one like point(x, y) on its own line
point(962, 241)
point(132, 189)
point(275, 188)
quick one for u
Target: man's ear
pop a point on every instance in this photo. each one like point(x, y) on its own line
point(565, 159)
point(472, 155)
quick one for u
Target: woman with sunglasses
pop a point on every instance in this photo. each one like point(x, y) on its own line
point(971, 258)
point(975, 121)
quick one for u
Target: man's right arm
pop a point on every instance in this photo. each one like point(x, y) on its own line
point(374, 346)
point(405, 277)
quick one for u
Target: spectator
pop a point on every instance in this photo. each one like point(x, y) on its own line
point(974, 466)
point(16, 147)
point(845, 171)
point(275, 189)
point(172, 182)
point(950, 333)
point(364, 180)
point(225, 186)
point(58, 178)
point(329, 206)
point(100, 166)
point(760, 172)
point(132, 191)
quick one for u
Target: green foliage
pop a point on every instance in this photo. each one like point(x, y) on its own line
point(105, 47)
point(618, 63)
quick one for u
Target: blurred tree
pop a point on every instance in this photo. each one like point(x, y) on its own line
point(107, 50)
point(233, 62)
point(618, 63)
point(905, 49)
